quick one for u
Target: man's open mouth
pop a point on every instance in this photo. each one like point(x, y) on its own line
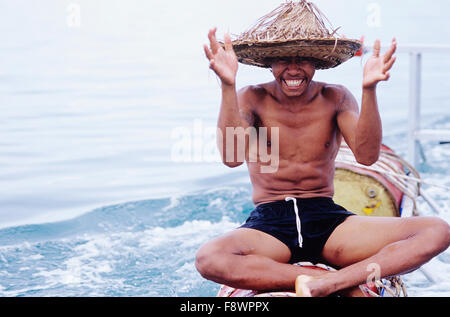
point(294, 84)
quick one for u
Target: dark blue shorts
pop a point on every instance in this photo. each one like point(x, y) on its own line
point(319, 217)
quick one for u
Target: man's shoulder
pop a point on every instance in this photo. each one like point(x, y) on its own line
point(333, 91)
point(341, 97)
point(254, 91)
point(253, 95)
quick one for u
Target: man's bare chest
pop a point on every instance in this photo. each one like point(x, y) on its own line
point(303, 135)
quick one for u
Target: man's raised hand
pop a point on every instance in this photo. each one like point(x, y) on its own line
point(222, 61)
point(377, 67)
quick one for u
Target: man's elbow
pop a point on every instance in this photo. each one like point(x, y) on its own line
point(231, 161)
point(232, 164)
point(367, 160)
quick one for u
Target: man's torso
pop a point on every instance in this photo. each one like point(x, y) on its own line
point(309, 140)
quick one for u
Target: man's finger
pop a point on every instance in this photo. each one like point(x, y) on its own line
point(212, 40)
point(208, 53)
point(389, 64)
point(391, 51)
point(228, 44)
point(376, 48)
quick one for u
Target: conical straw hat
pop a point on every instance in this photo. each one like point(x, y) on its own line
point(294, 29)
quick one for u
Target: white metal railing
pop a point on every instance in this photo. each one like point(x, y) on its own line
point(415, 133)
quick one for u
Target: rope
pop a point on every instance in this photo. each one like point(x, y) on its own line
point(398, 172)
point(395, 288)
point(386, 157)
point(392, 167)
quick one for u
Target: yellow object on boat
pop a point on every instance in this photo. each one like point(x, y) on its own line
point(363, 194)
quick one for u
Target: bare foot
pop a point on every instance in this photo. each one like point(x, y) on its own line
point(302, 288)
point(317, 286)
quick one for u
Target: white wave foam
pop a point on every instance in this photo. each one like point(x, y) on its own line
point(174, 202)
point(105, 263)
point(85, 267)
point(188, 234)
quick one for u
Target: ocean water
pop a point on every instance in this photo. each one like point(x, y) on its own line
point(93, 96)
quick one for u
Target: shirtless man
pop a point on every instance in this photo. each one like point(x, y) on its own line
point(312, 118)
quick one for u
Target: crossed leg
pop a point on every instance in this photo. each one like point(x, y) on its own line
point(377, 247)
point(251, 259)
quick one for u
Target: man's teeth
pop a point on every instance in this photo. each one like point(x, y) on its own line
point(294, 83)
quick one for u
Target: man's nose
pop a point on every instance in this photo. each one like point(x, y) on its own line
point(294, 67)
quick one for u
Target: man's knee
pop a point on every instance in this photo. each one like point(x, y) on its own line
point(209, 261)
point(438, 232)
point(443, 234)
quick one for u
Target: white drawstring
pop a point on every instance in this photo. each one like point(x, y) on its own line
point(297, 219)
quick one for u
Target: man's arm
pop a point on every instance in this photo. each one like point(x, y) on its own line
point(235, 113)
point(363, 132)
point(234, 109)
